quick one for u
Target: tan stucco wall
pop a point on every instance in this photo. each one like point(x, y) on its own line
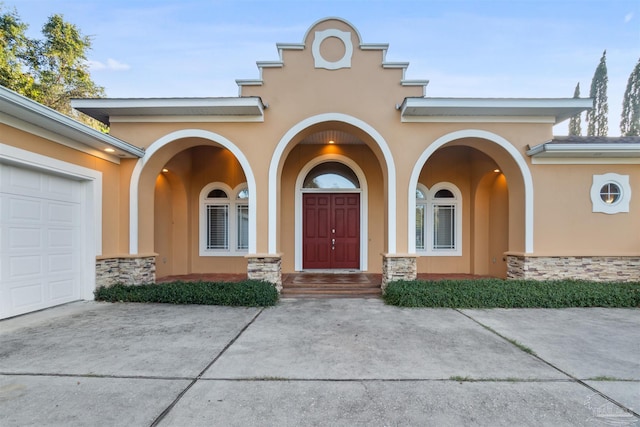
point(564, 221)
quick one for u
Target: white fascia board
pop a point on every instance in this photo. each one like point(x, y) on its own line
point(31, 112)
point(605, 150)
point(559, 108)
point(374, 46)
point(395, 65)
point(103, 109)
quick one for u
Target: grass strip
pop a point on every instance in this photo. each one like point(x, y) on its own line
point(248, 293)
point(498, 293)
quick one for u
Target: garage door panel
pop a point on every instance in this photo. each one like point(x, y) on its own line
point(62, 189)
point(23, 210)
point(21, 238)
point(61, 263)
point(62, 290)
point(61, 239)
point(40, 240)
point(58, 213)
point(24, 181)
point(26, 265)
point(25, 297)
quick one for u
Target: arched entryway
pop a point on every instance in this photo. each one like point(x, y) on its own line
point(316, 151)
point(492, 213)
point(192, 205)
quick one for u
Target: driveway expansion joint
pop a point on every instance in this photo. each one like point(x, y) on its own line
point(168, 409)
point(551, 365)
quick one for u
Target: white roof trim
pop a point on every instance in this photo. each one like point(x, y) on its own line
point(33, 113)
point(577, 150)
point(560, 109)
point(103, 109)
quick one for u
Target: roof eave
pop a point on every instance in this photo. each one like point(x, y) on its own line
point(106, 108)
point(610, 150)
point(557, 109)
point(34, 113)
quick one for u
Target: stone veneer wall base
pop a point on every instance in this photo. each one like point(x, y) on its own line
point(595, 268)
point(129, 270)
point(398, 267)
point(267, 268)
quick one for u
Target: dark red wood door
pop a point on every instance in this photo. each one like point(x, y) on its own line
point(331, 230)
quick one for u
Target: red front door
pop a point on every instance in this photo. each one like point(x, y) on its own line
point(331, 230)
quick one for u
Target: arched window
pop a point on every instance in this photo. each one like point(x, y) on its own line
point(439, 220)
point(224, 220)
point(331, 175)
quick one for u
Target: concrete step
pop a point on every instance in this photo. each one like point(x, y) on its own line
point(331, 291)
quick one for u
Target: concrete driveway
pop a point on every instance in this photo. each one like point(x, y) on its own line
point(318, 362)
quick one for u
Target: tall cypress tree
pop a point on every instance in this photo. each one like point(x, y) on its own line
point(597, 120)
point(630, 121)
point(575, 124)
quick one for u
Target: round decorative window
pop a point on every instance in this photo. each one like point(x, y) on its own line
point(610, 193)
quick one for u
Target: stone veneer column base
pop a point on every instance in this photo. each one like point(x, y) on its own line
point(398, 267)
point(126, 269)
point(265, 267)
point(595, 268)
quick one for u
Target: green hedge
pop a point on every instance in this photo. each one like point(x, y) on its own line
point(249, 293)
point(494, 293)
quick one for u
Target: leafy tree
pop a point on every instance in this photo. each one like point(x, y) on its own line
point(630, 121)
point(575, 124)
point(51, 70)
point(597, 120)
point(15, 50)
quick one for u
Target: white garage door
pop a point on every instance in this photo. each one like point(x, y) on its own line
point(40, 242)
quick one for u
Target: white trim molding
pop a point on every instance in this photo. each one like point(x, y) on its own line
point(91, 205)
point(363, 191)
point(277, 160)
point(169, 138)
point(472, 133)
point(614, 206)
point(320, 61)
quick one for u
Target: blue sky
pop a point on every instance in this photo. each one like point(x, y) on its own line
point(481, 48)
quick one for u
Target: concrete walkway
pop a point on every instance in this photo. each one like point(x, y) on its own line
point(318, 362)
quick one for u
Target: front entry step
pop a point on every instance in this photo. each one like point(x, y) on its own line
point(331, 285)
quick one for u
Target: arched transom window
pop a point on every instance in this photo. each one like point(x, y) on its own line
point(331, 175)
point(439, 220)
point(224, 220)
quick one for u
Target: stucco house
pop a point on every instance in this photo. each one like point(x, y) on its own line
point(329, 160)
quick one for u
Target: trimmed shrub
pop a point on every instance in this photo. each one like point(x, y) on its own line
point(497, 293)
point(248, 293)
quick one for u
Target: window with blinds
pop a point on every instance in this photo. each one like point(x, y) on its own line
point(438, 218)
point(218, 226)
point(224, 220)
point(444, 226)
point(242, 222)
